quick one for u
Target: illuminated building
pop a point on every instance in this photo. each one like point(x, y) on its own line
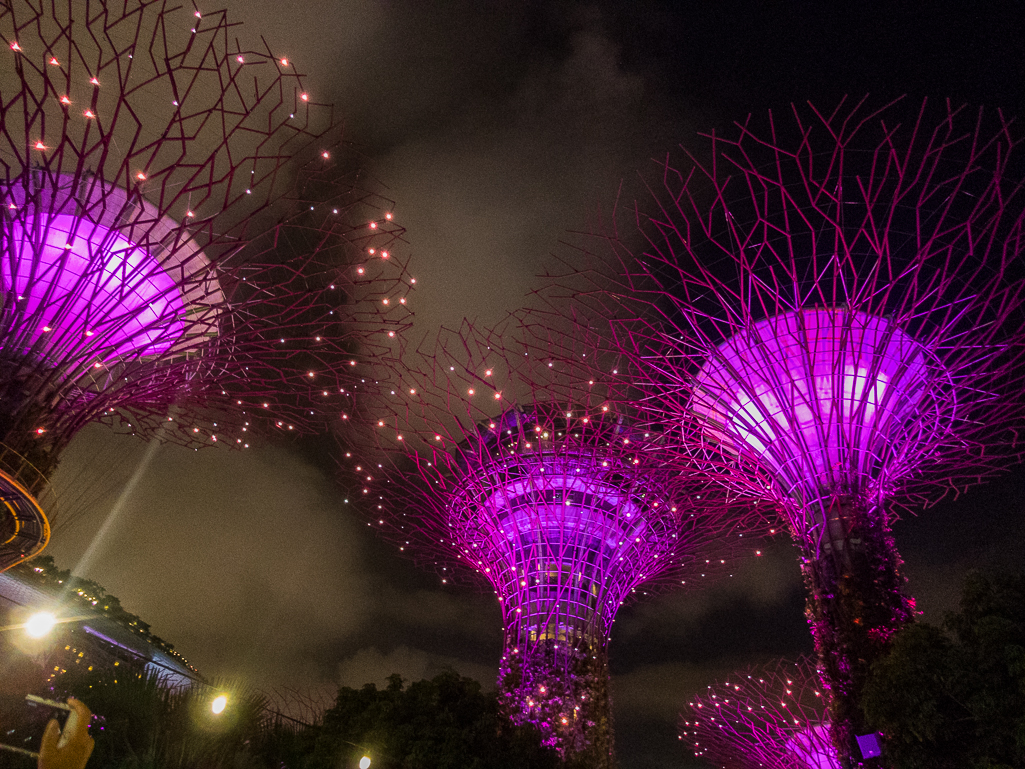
point(184, 256)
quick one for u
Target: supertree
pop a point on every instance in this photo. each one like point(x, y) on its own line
point(188, 251)
point(498, 460)
point(772, 716)
point(831, 301)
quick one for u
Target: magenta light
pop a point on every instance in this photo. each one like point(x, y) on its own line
point(828, 399)
point(813, 748)
point(75, 277)
point(564, 524)
point(772, 716)
point(181, 258)
point(566, 530)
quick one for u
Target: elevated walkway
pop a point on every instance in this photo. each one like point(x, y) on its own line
point(24, 527)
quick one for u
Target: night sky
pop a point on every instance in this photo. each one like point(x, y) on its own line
point(498, 126)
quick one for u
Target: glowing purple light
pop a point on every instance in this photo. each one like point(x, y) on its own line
point(821, 396)
point(826, 305)
point(563, 543)
point(75, 283)
point(104, 277)
point(813, 747)
point(567, 505)
point(769, 717)
point(564, 526)
point(148, 269)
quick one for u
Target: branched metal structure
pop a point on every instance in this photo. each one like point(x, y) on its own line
point(188, 253)
point(499, 458)
point(769, 717)
point(831, 303)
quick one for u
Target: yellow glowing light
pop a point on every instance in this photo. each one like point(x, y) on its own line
point(364, 763)
point(219, 704)
point(40, 624)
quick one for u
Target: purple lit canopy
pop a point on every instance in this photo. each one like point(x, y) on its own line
point(825, 310)
point(501, 458)
point(769, 717)
point(827, 399)
point(90, 287)
point(188, 252)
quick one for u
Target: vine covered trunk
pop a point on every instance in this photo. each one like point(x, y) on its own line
point(561, 689)
point(857, 601)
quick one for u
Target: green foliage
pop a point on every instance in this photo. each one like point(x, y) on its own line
point(283, 744)
point(954, 697)
point(444, 723)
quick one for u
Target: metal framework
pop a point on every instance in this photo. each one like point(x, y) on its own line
point(188, 251)
point(769, 717)
point(831, 303)
point(503, 460)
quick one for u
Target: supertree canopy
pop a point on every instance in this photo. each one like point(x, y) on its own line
point(188, 251)
point(830, 302)
point(503, 464)
point(769, 717)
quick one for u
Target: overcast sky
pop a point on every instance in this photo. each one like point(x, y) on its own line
point(497, 126)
